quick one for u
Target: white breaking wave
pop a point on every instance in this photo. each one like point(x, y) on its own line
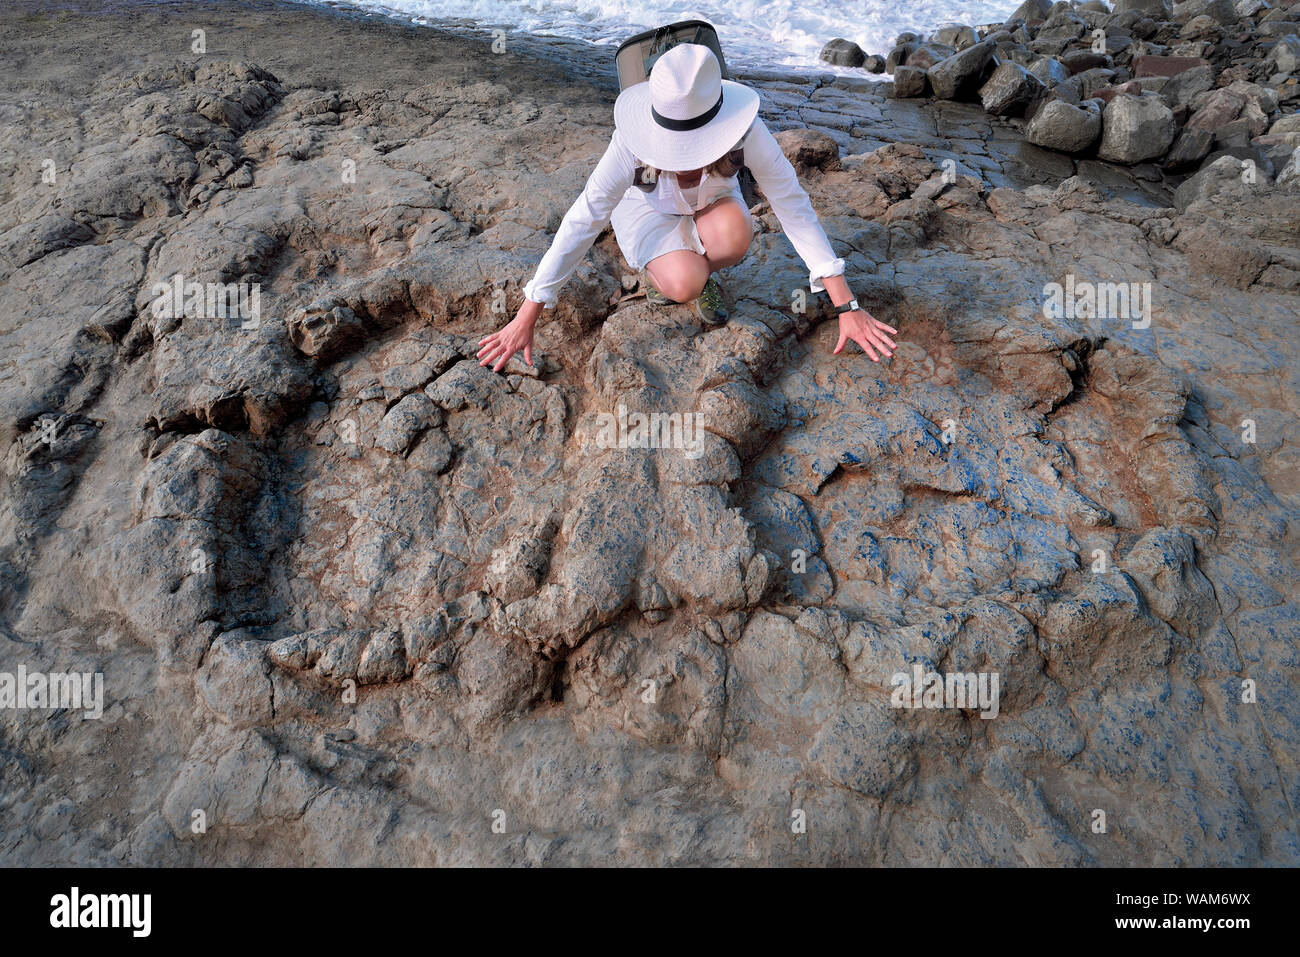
point(753, 33)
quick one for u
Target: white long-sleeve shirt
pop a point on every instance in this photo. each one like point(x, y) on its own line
point(612, 180)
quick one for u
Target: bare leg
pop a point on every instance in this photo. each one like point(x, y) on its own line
point(725, 230)
point(680, 275)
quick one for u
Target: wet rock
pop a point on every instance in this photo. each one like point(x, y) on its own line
point(842, 52)
point(926, 55)
point(910, 81)
point(1049, 71)
point(959, 75)
point(898, 56)
point(1010, 90)
point(957, 36)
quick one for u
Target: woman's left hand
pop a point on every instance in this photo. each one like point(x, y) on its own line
point(866, 331)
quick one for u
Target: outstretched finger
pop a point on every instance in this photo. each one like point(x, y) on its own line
point(885, 326)
point(528, 353)
point(865, 343)
point(506, 355)
point(839, 347)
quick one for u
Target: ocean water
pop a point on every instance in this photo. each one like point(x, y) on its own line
point(754, 33)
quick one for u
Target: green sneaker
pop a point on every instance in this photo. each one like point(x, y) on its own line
point(709, 304)
point(653, 295)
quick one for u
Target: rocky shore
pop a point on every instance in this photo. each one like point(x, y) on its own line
point(356, 600)
point(1178, 85)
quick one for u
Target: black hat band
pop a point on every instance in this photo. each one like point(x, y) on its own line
point(695, 122)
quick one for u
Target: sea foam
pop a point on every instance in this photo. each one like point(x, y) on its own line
point(753, 33)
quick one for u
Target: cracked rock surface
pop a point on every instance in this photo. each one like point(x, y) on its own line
point(356, 598)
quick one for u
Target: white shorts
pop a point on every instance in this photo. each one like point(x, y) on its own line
point(645, 233)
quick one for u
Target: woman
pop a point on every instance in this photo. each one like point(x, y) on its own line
point(667, 186)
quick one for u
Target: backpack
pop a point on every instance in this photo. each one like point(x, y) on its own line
point(637, 55)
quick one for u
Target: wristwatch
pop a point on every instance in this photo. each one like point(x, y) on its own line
point(850, 306)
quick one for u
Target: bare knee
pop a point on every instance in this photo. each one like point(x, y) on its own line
point(726, 230)
point(729, 247)
point(684, 288)
point(679, 279)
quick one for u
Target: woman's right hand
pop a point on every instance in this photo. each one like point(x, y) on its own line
point(516, 335)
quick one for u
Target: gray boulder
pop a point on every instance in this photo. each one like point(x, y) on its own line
point(1183, 88)
point(1032, 10)
point(1009, 90)
point(1092, 81)
point(1157, 9)
point(1016, 53)
point(927, 55)
point(1079, 61)
point(1281, 27)
point(1290, 175)
point(909, 81)
point(898, 56)
point(1220, 11)
point(1136, 128)
point(842, 52)
point(1210, 179)
point(1191, 146)
point(1285, 55)
point(1049, 71)
point(1065, 127)
point(1201, 28)
point(1217, 110)
point(957, 35)
point(1063, 25)
point(960, 73)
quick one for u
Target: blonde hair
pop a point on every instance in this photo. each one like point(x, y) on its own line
point(719, 167)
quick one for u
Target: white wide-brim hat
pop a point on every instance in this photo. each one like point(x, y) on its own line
point(685, 116)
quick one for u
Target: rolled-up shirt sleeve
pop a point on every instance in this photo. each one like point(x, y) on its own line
point(585, 220)
point(777, 178)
